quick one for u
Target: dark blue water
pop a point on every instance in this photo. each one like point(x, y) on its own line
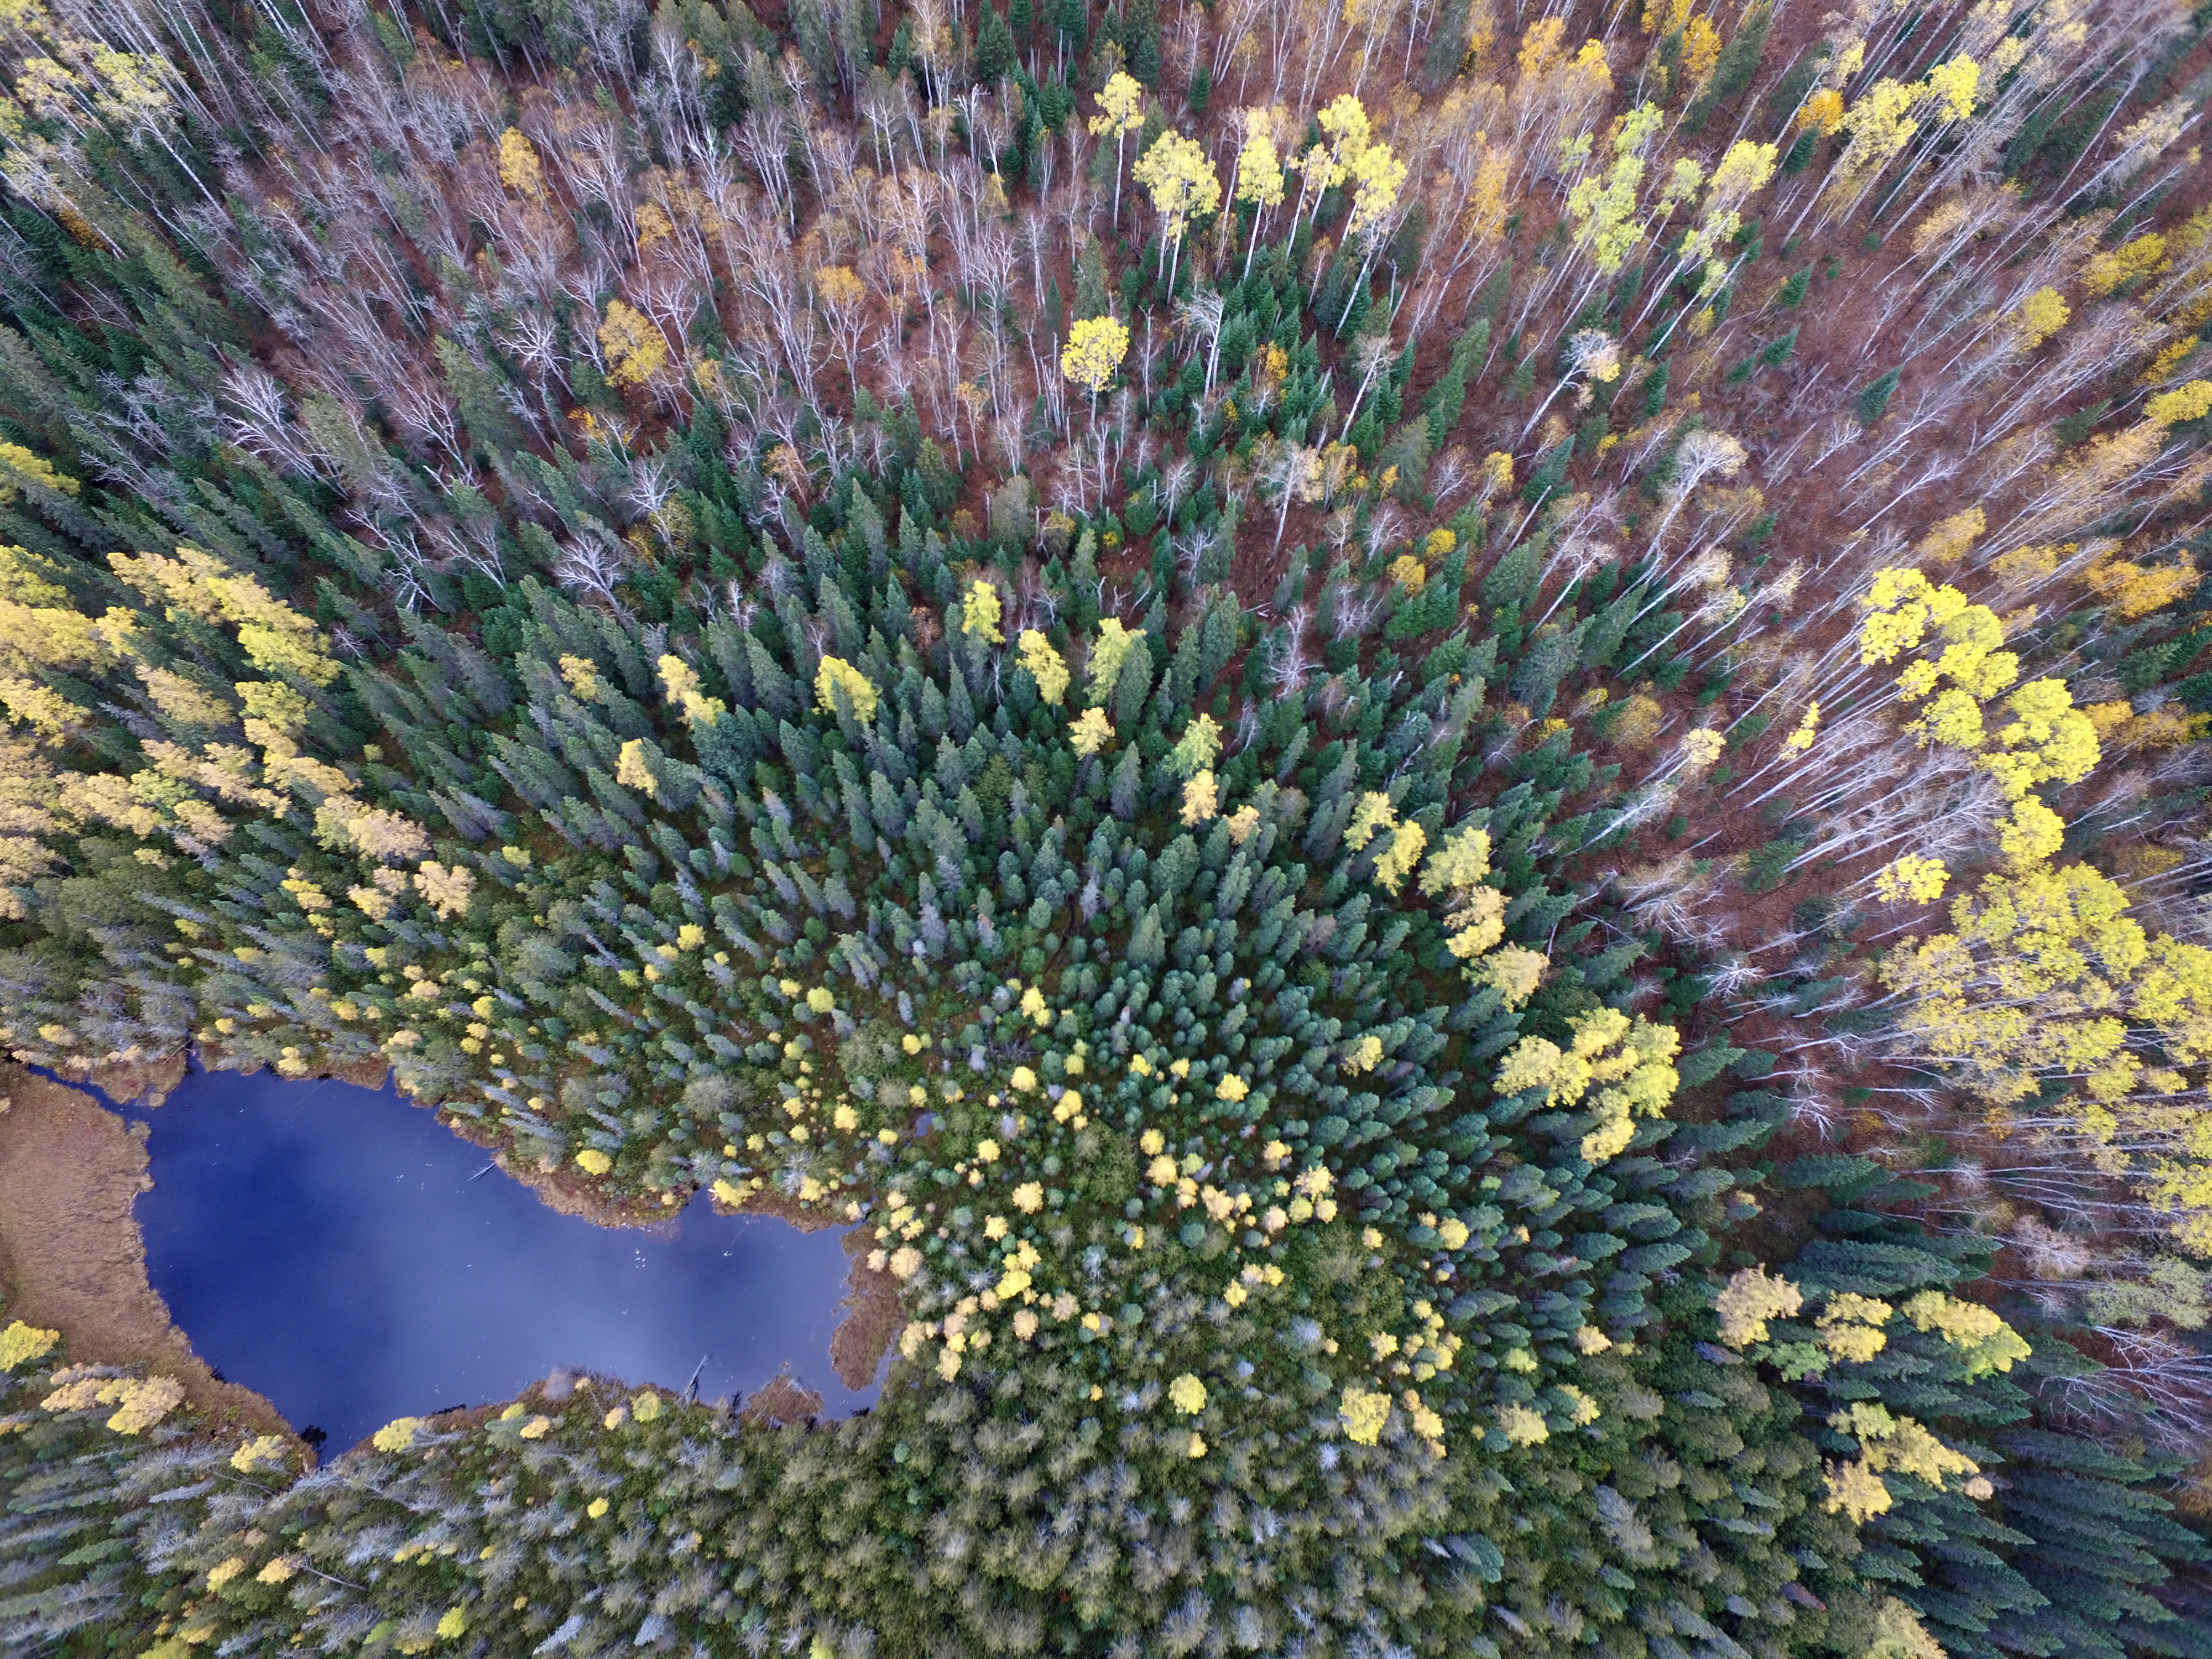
point(339, 1252)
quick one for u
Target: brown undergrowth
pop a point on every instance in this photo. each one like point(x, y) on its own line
point(874, 1316)
point(72, 1257)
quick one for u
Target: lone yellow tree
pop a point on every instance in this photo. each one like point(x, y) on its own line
point(520, 169)
point(1182, 185)
point(635, 351)
point(1120, 112)
point(1259, 175)
point(844, 299)
point(1377, 176)
point(1095, 347)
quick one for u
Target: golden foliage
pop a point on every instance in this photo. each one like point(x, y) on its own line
point(1090, 732)
point(140, 1403)
point(276, 639)
point(1095, 347)
point(981, 612)
point(1948, 540)
point(520, 169)
point(20, 1342)
point(1987, 1343)
point(1888, 1442)
point(1198, 747)
point(1045, 666)
point(836, 677)
point(1748, 1300)
point(1202, 802)
point(1121, 106)
point(2041, 317)
point(1856, 1492)
point(14, 459)
point(681, 681)
point(635, 350)
point(1898, 1634)
point(2024, 983)
point(634, 764)
point(1373, 814)
point(2130, 592)
point(1108, 654)
point(1628, 1062)
point(2108, 271)
point(1637, 725)
point(1363, 1413)
point(2183, 403)
point(1823, 112)
point(1515, 970)
point(446, 890)
point(1399, 859)
point(1910, 876)
point(1180, 178)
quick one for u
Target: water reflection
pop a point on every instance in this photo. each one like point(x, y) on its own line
point(340, 1252)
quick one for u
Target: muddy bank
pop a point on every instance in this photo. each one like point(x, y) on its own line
point(785, 1400)
point(70, 1256)
point(139, 1079)
point(874, 1316)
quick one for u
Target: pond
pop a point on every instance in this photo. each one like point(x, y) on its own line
point(346, 1255)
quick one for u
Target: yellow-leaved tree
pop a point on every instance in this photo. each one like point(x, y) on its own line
point(520, 169)
point(2043, 1000)
point(2044, 979)
point(2039, 316)
point(1853, 1330)
point(1179, 177)
point(221, 752)
point(1045, 664)
point(980, 614)
point(1095, 347)
point(635, 350)
point(1474, 918)
point(1615, 1067)
point(1121, 112)
point(1958, 679)
point(844, 302)
point(1259, 175)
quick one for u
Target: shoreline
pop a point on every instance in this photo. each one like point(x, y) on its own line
point(873, 1317)
point(72, 1256)
point(873, 1314)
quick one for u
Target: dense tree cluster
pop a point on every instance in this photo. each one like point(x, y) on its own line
point(1196, 662)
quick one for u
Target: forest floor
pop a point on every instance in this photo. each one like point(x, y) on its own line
point(70, 1252)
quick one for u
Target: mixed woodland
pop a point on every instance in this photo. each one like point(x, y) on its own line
point(1452, 759)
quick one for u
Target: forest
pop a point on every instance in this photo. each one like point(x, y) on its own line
point(1454, 759)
